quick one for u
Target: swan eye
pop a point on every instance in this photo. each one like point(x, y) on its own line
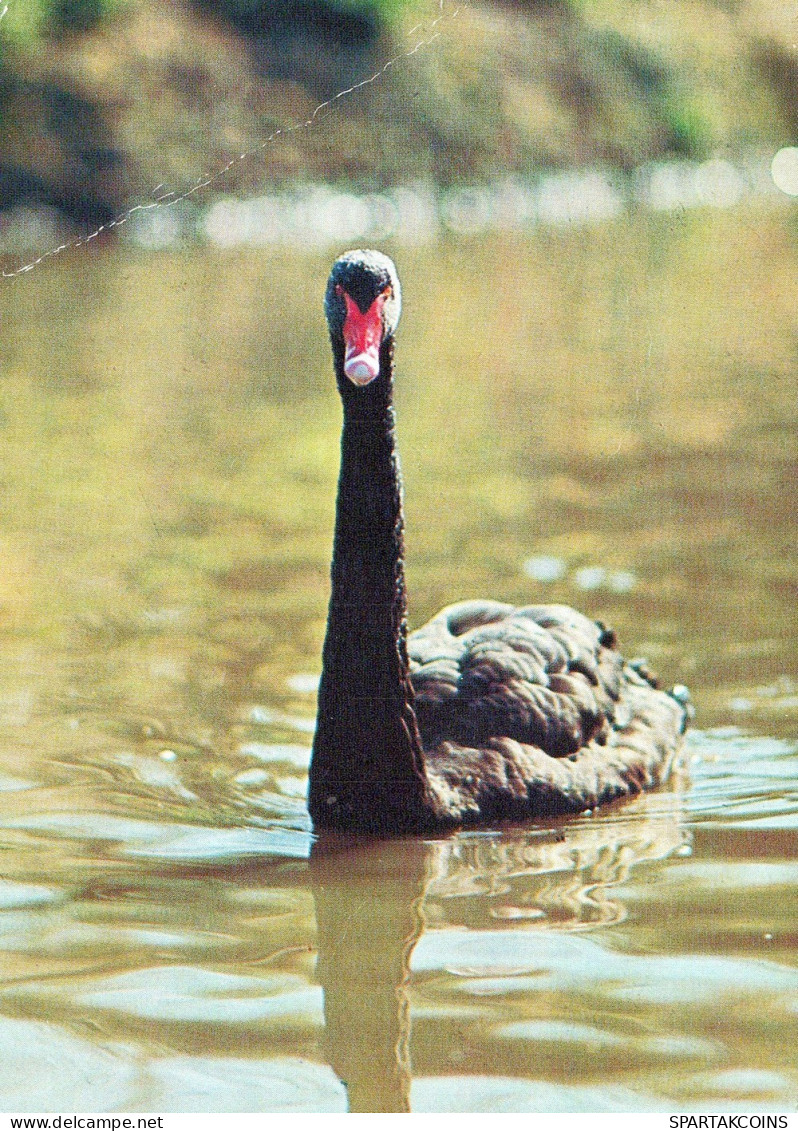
point(339, 290)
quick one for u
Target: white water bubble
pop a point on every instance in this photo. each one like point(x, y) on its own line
point(383, 216)
point(577, 197)
point(225, 223)
point(667, 185)
point(590, 577)
point(784, 170)
point(24, 229)
point(255, 777)
point(621, 581)
point(161, 228)
point(467, 211)
point(305, 683)
point(514, 205)
point(339, 216)
point(718, 183)
point(287, 753)
point(545, 568)
point(417, 211)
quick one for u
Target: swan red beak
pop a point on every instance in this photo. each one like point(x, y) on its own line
point(363, 338)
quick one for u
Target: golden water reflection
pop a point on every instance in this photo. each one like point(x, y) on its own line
point(586, 965)
point(178, 949)
point(618, 435)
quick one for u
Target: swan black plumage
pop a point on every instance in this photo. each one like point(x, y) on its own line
point(487, 713)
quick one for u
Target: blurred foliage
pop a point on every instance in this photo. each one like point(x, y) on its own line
point(78, 15)
point(322, 44)
point(28, 22)
point(162, 92)
point(255, 14)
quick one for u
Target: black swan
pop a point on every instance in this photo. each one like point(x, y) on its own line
point(489, 712)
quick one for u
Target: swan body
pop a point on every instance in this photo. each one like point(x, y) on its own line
point(487, 713)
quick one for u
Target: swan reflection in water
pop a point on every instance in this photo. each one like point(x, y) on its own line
point(456, 908)
point(174, 963)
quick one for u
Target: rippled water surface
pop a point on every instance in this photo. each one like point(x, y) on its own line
point(602, 418)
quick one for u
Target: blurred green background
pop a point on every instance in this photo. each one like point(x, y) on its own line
point(103, 100)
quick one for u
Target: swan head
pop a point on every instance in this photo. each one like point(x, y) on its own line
point(363, 303)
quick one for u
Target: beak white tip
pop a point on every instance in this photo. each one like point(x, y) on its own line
point(362, 368)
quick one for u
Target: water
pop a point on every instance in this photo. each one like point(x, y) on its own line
point(609, 426)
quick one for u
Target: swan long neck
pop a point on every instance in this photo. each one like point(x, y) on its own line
point(367, 766)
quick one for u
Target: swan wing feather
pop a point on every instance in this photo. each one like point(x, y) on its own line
point(505, 779)
point(540, 674)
